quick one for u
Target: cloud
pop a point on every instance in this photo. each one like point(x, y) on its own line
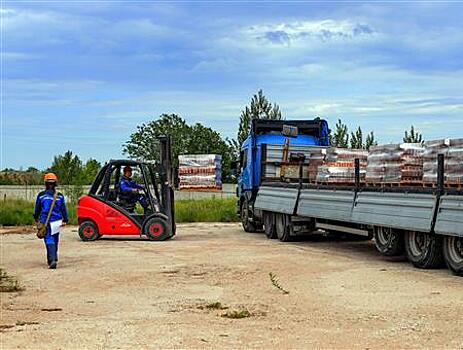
point(303, 31)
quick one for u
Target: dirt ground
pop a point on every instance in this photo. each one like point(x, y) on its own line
point(131, 293)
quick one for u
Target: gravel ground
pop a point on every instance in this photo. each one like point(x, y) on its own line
point(131, 293)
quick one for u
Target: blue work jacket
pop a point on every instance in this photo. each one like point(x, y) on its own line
point(43, 203)
point(127, 185)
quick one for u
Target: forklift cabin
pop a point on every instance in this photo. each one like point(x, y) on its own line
point(106, 210)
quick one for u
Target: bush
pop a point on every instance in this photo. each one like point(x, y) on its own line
point(15, 212)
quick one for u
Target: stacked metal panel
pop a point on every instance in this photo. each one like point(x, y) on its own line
point(200, 172)
point(452, 149)
point(395, 163)
point(339, 165)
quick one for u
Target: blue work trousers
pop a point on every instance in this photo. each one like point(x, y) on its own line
point(51, 243)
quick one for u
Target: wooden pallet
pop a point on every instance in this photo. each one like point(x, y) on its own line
point(456, 185)
point(200, 190)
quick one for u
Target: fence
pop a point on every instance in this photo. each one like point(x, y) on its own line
point(29, 192)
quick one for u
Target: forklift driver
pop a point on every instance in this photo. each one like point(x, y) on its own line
point(130, 190)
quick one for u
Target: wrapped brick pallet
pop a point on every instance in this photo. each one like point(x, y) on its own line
point(395, 163)
point(200, 172)
point(452, 149)
point(339, 165)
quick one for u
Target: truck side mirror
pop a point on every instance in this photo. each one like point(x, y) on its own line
point(234, 168)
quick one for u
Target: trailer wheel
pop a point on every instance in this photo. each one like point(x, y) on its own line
point(423, 249)
point(269, 225)
point(453, 254)
point(388, 242)
point(88, 231)
point(248, 225)
point(156, 229)
point(283, 227)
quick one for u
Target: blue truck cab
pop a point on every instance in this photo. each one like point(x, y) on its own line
point(253, 156)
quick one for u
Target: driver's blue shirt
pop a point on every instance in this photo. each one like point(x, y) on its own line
point(127, 185)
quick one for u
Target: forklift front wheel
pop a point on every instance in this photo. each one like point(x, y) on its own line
point(88, 231)
point(156, 229)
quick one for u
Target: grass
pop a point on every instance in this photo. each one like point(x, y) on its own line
point(213, 306)
point(243, 313)
point(9, 283)
point(206, 210)
point(276, 283)
point(14, 212)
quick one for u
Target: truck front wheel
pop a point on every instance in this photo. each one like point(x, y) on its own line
point(423, 249)
point(453, 254)
point(248, 225)
point(388, 242)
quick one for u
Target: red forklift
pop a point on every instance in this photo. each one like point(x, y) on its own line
point(105, 210)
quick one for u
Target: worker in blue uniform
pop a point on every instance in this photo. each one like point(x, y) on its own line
point(130, 190)
point(59, 212)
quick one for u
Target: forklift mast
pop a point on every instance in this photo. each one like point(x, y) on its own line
point(165, 174)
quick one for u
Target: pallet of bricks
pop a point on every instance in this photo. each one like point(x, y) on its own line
point(452, 149)
point(339, 166)
point(395, 164)
point(200, 172)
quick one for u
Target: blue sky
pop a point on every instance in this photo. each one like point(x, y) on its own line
point(82, 76)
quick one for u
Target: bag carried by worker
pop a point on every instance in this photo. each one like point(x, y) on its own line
point(42, 228)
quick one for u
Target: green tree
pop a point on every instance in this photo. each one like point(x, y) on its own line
point(90, 170)
point(356, 138)
point(68, 168)
point(370, 141)
point(413, 136)
point(186, 139)
point(144, 144)
point(259, 108)
point(340, 138)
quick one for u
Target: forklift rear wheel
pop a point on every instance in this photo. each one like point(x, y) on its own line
point(269, 225)
point(88, 231)
point(156, 229)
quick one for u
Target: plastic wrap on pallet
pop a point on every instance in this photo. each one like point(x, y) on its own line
point(200, 171)
point(395, 163)
point(452, 149)
point(339, 165)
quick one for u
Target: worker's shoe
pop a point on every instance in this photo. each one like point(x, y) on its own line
point(52, 265)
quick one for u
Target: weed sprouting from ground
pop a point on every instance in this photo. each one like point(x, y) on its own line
point(9, 283)
point(243, 313)
point(216, 306)
point(276, 282)
point(213, 306)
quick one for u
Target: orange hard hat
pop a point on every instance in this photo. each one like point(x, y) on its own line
point(50, 177)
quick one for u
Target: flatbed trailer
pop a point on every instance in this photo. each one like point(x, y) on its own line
point(425, 223)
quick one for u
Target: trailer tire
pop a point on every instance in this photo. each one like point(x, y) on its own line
point(248, 225)
point(453, 254)
point(283, 227)
point(424, 250)
point(269, 225)
point(88, 231)
point(389, 242)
